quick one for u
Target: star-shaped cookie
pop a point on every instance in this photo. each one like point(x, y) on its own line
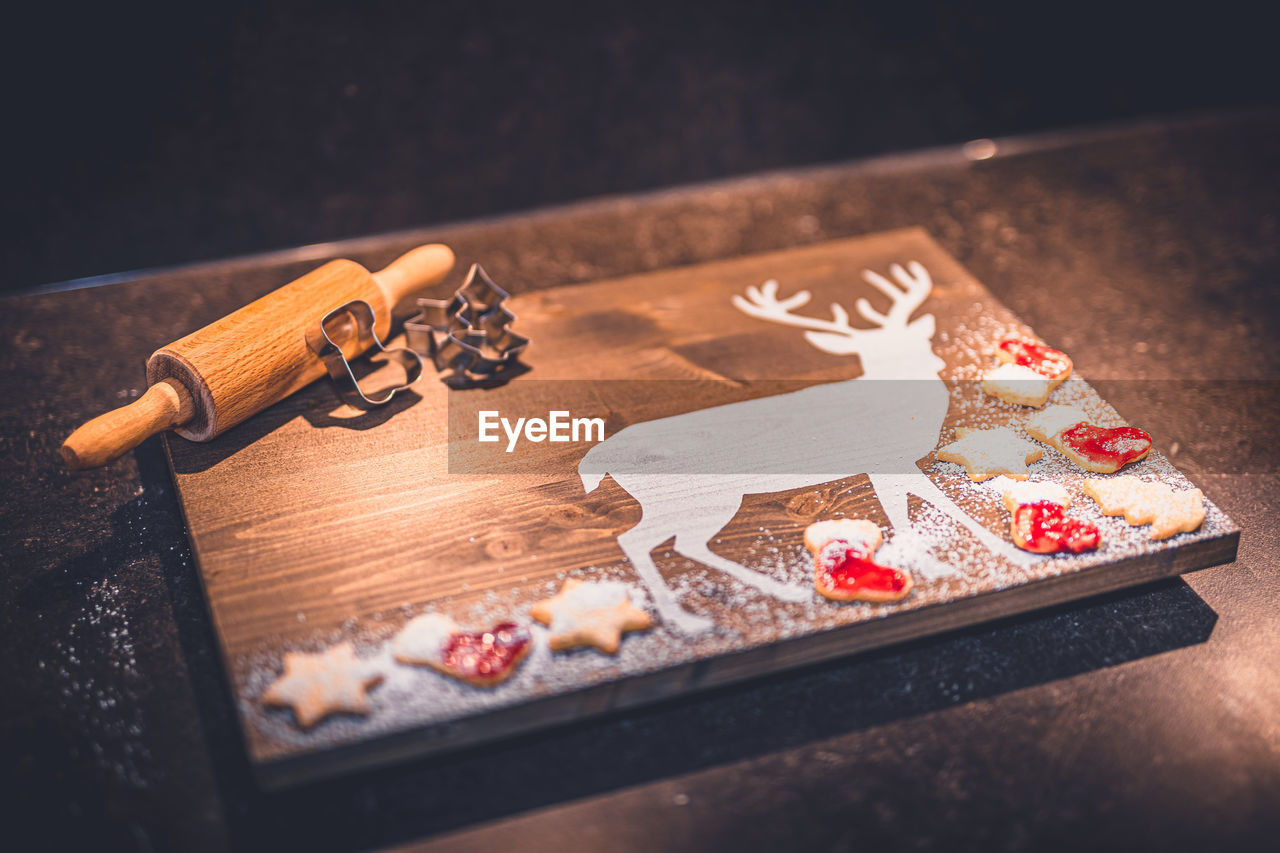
point(1167, 511)
point(595, 613)
point(317, 685)
point(987, 453)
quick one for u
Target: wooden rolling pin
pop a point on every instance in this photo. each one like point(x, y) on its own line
point(211, 380)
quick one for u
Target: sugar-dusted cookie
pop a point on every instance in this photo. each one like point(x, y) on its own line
point(1038, 521)
point(843, 569)
point(860, 531)
point(1167, 511)
point(1016, 384)
point(1102, 450)
point(1028, 372)
point(987, 453)
point(1027, 492)
point(1054, 420)
point(317, 685)
point(480, 658)
point(594, 613)
point(1053, 364)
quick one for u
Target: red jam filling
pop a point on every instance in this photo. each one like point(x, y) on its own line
point(1044, 360)
point(1116, 446)
point(1046, 529)
point(849, 570)
point(488, 654)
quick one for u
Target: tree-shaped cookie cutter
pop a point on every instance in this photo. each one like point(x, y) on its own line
point(468, 337)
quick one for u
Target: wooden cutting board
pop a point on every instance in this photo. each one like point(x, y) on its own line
point(314, 524)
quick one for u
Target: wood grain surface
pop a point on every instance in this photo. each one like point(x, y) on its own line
point(313, 523)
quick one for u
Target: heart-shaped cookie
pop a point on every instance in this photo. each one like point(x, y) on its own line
point(1102, 450)
point(1112, 446)
point(480, 658)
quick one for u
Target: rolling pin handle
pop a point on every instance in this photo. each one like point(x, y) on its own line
point(413, 271)
point(165, 405)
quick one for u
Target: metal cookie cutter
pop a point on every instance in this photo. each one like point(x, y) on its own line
point(469, 335)
point(340, 369)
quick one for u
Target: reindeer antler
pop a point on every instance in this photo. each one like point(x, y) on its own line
point(763, 302)
point(836, 335)
point(915, 287)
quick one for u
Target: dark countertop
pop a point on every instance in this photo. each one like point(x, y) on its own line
point(1150, 718)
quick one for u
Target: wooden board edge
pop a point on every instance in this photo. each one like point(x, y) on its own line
point(623, 279)
point(220, 649)
point(742, 667)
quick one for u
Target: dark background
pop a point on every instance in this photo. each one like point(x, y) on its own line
point(142, 135)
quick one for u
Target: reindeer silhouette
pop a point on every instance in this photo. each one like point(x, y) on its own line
point(690, 472)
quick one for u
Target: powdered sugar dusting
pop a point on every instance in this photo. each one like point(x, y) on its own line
point(424, 638)
point(1053, 420)
point(860, 534)
point(1016, 383)
point(1029, 492)
point(93, 666)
